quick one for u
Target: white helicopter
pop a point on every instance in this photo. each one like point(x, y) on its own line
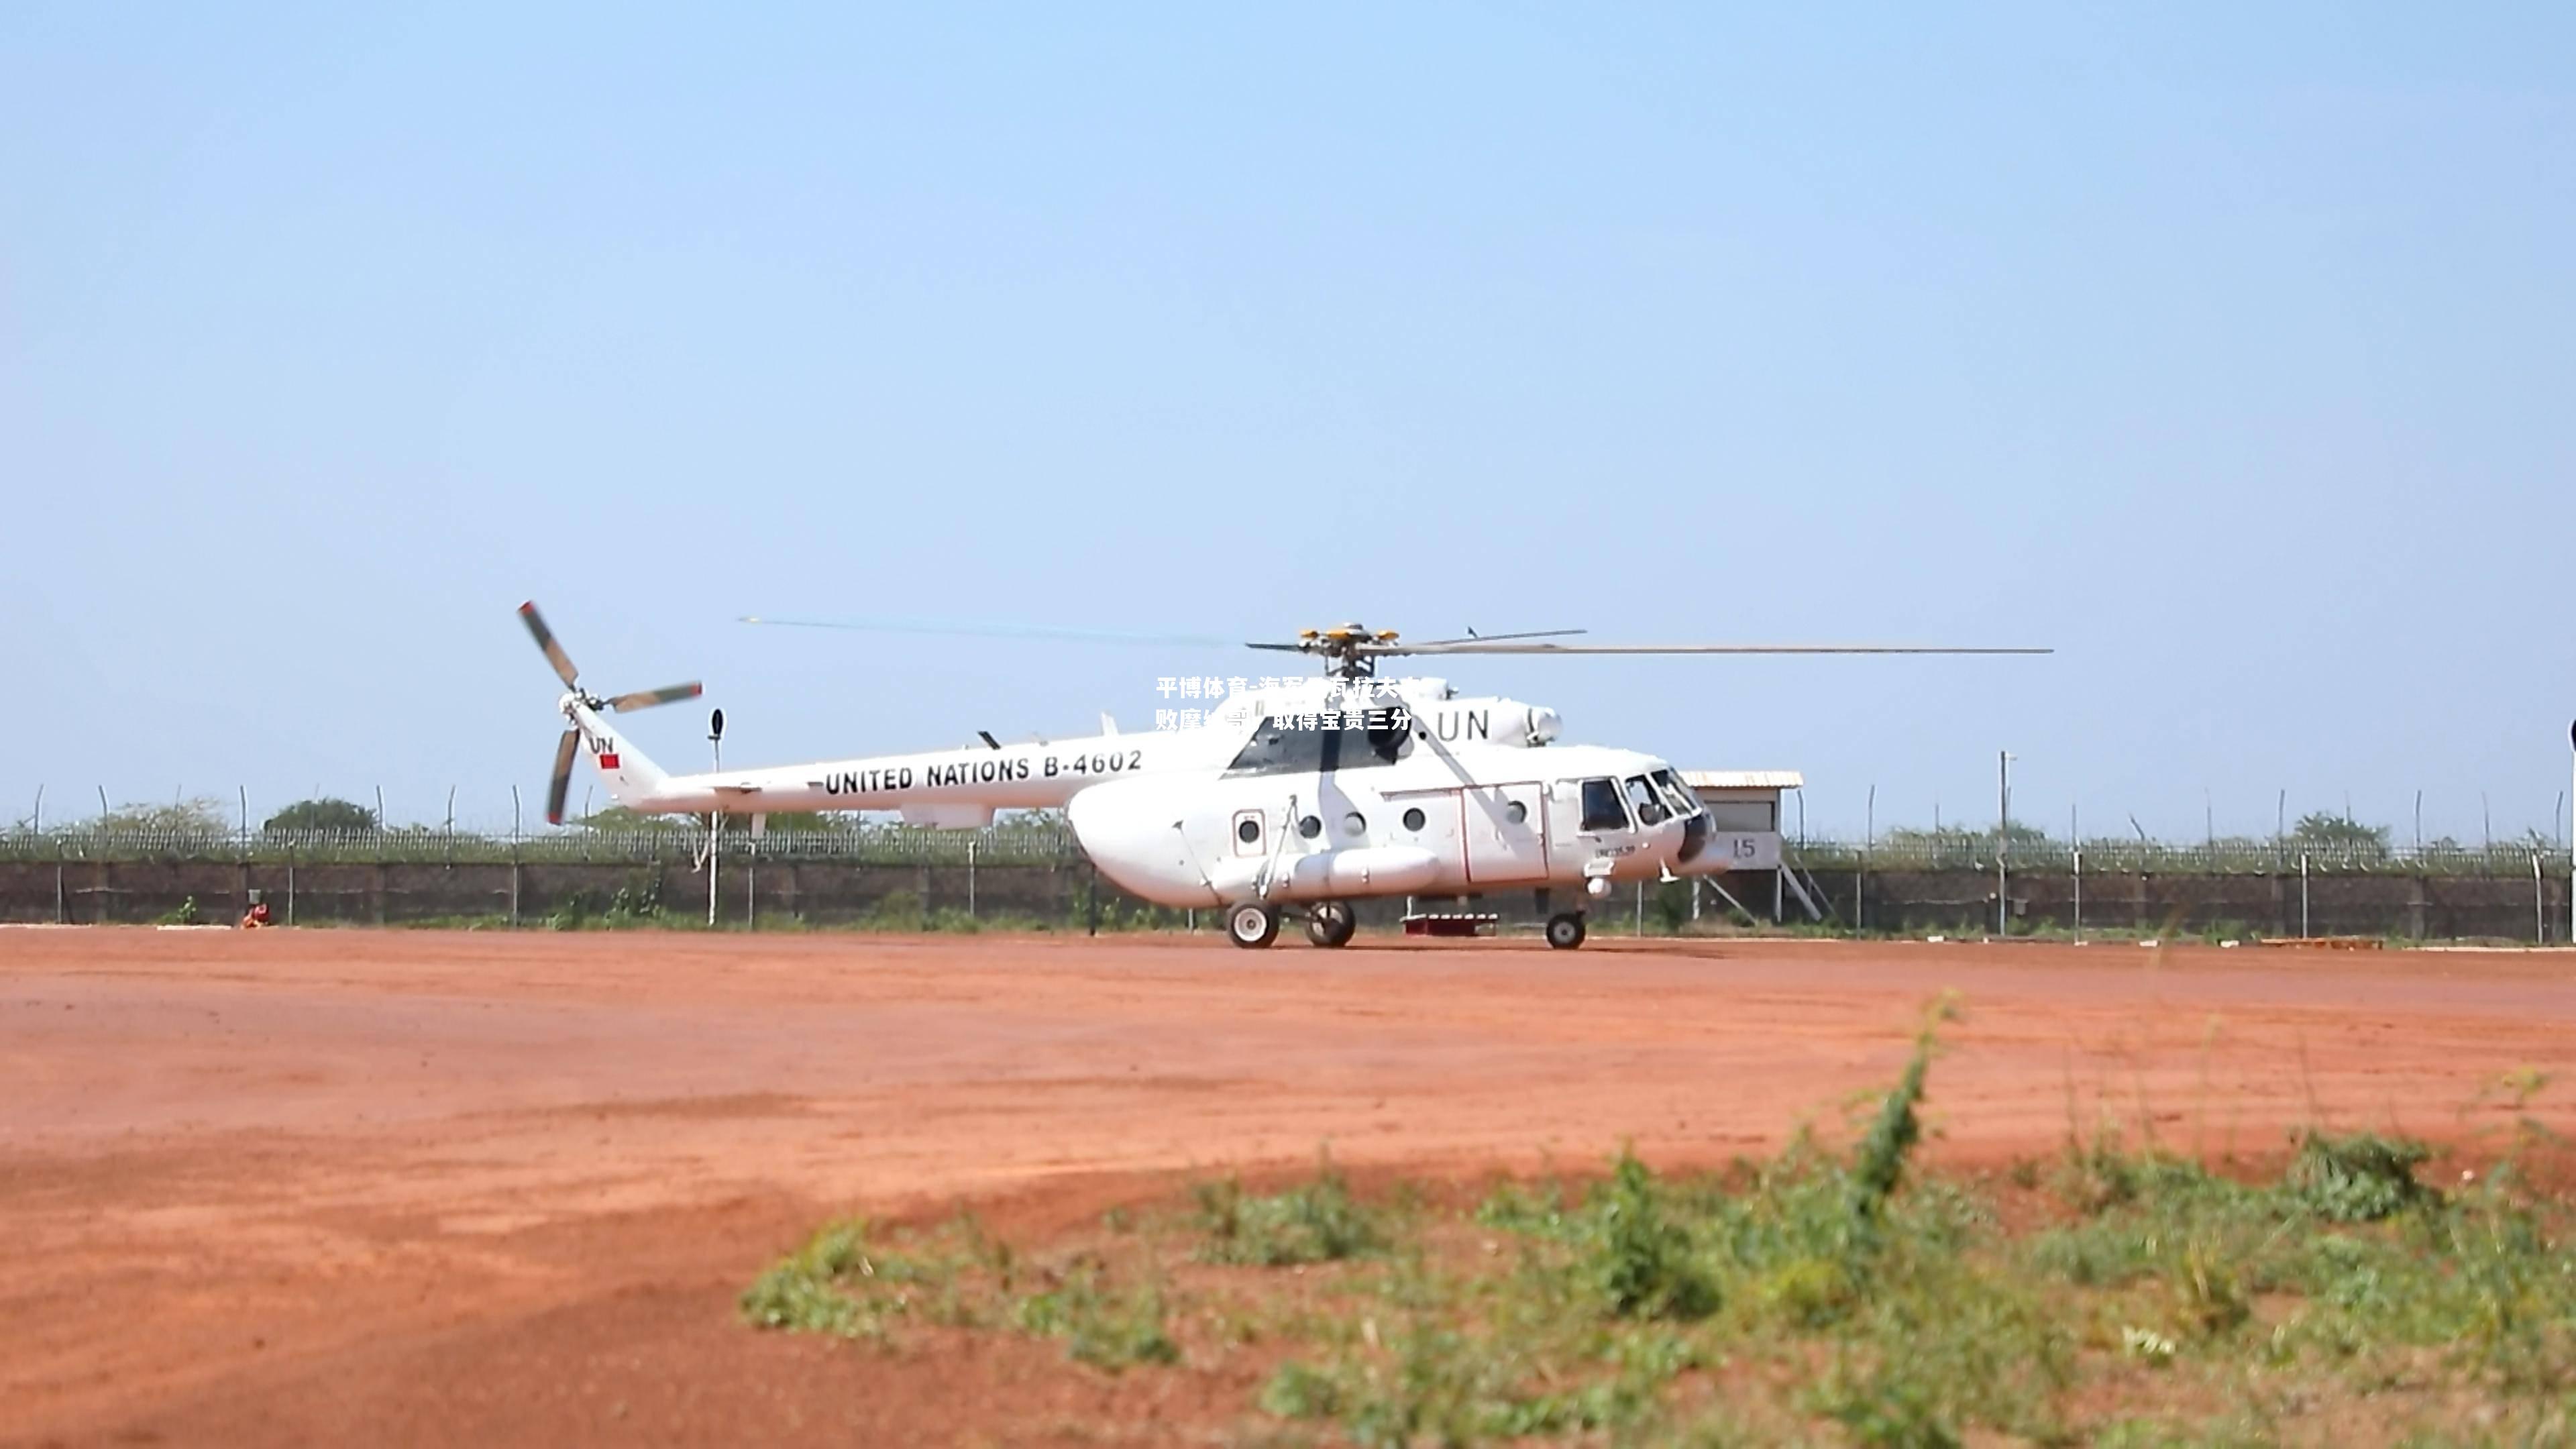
point(1303, 798)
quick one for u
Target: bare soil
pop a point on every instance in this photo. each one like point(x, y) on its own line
point(465, 1187)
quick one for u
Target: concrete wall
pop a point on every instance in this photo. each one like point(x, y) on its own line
point(825, 892)
point(2421, 907)
point(820, 892)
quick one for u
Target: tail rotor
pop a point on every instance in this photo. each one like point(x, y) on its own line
point(559, 783)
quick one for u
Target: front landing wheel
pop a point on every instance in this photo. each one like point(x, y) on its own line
point(1331, 923)
point(1565, 930)
point(1252, 925)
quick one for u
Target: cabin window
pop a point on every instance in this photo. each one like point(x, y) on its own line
point(1676, 794)
point(1516, 812)
point(1248, 832)
point(1601, 807)
point(1310, 827)
point(1642, 799)
point(1413, 818)
point(1355, 825)
point(1288, 745)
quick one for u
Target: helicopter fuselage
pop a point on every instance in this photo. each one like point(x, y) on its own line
point(963, 787)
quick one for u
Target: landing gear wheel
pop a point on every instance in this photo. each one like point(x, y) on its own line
point(1330, 924)
point(1565, 930)
point(1252, 926)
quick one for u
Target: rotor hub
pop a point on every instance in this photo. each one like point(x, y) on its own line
point(1350, 650)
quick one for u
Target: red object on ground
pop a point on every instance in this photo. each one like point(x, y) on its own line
point(1450, 925)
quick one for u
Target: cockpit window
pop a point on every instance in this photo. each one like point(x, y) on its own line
point(1676, 794)
point(1643, 799)
point(1298, 744)
point(1601, 807)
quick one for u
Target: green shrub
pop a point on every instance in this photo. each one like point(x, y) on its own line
point(1639, 1260)
point(1315, 1222)
point(2359, 1178)
point(1105, 1329)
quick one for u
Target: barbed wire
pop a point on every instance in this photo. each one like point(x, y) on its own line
point(1054, 844)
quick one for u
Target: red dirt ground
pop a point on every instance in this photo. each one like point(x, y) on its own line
point(342, 1186)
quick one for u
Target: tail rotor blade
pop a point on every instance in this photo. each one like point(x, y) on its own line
point(545, 638)
point(647, 698)
point(561, 784)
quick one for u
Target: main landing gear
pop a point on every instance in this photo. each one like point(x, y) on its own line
point(1565, 930)
point(1329, 924)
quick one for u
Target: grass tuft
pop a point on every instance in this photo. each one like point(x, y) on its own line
point(2359, 1178)
point(1315, 1222)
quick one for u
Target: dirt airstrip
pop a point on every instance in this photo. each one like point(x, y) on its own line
point(344, 1186)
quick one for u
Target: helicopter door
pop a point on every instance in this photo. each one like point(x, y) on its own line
point(1506, 834)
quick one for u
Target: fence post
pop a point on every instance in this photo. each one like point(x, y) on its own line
point(2539, 904)
point(290, 885)
point(2079, 893)
point(2303, 895)
point(62, 898)
point(970, 879)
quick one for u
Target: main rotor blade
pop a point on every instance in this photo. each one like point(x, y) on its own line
point(555, 655)
point(955, 629)
point(1479, 646)
point(1498, 638)
point(647, 698)
point(561, 782)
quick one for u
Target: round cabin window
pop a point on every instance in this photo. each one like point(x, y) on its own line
point(1413, 818)
point(1355, 825)
point(1248, 832)
point(1310, 827)
point(1516, 812)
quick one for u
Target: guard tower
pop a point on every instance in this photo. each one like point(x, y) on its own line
point(1744, 832)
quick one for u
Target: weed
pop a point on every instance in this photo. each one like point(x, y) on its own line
point(1639, 1260)
point(1106, 1329)
point(1315, 1222)
point(842, 1284)
point(800, 1293)
point(2359, 1178)
point(1880, 1162)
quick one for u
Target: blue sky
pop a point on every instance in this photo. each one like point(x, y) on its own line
point(2225, 348)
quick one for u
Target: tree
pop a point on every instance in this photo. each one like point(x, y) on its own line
point(201, 816)
point(2338, 833)
point(622, 820)
point(327, 813)
point(803, 822)
point(2019, 834)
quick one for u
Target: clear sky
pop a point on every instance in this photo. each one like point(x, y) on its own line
point(2225, 348)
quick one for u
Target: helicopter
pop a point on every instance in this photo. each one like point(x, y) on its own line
point(1294, 799)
